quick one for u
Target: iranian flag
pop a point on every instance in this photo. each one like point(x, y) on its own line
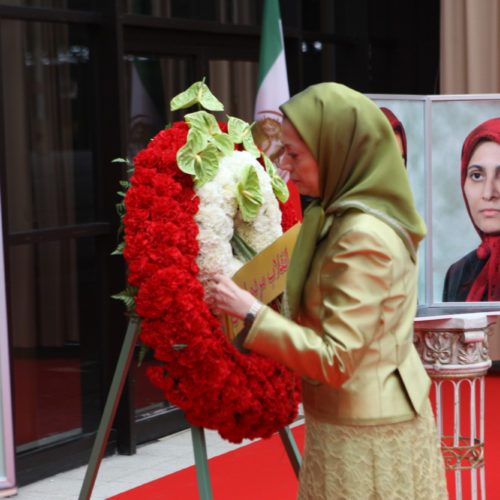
point(272, 90)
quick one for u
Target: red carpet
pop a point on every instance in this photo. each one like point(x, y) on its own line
point(262, 470)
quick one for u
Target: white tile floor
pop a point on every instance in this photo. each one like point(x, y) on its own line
point(120, 473)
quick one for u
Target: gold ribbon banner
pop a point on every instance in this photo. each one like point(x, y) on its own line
point(264, 276)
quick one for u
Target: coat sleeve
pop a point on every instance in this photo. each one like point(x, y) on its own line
point(354, 279)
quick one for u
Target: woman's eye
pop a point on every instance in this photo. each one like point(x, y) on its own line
point(476, 176)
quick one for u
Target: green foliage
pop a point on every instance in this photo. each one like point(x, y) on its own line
point(198, 93)
point(204, 122)
point(223, 143)
point(241, 132)
point(202, 164)
point(241, 249)
point(127, 296)
point(206, 144)
point(119, 249)
point(120, 206)
point(248, 193)
point(279, 187)
point(179, 347)
point(143, 350)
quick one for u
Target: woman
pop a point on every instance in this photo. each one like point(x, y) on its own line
point(399, 132)
point(476, 277)
point(351, 296)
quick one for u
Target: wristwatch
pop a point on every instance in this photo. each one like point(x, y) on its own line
point(252, 313)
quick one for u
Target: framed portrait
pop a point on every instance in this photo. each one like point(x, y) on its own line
point(436, 127)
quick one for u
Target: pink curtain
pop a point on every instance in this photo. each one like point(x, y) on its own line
point(470, 46)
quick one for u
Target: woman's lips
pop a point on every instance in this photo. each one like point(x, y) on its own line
point(490, 212)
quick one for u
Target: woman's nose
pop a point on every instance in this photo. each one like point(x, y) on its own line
point(491, 189)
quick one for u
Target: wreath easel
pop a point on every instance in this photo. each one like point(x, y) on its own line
point(218, 387)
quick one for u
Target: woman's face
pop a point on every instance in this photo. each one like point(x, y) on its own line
point(299, 161)
point(482, 186)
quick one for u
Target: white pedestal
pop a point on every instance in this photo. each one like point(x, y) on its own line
point(454, 350)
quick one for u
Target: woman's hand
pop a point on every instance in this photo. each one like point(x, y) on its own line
point(229, 298)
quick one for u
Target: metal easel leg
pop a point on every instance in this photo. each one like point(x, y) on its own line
point(201, 462)
point(109, 412)
point(291, 449)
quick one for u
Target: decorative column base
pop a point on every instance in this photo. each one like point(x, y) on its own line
point(454, 351)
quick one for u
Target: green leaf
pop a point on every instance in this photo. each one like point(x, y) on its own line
point(205, 128)
point(241, 248)
point(204, 122)
point(143, 350)
point(223, 143)
point(119, 249)
point(279, 186)
point(241, 132)
point(197, 140)
point(121, 160)
point(121, 209)
point(248, 193)
point(186, 158)
point(179, 347)
point(127, 296)
point(237, 129)
point(197, 93)
point(206, 169)
point(250, 146)
point(202, 164)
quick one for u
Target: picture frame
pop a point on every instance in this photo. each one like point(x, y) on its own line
point(436, 127)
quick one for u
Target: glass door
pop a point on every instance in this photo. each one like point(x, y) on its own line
point(54, 277)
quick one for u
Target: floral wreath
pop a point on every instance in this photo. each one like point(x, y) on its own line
point(200, 202)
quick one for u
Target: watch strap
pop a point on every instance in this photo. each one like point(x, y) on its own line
point(252, 313)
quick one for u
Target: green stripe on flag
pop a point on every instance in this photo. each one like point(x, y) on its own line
point(270, 44)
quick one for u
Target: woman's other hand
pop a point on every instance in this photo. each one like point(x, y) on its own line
point(227, 297)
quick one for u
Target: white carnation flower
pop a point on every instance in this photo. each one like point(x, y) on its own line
point(218, 217)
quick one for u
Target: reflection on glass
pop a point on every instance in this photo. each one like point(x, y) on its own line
point(148, 398)
point(52, 4)
point(235, 84)
point(222, 11)
point(151, 83)
point(53, 317)
point(319, 58)
point(50, 172)
point(50, 182)
point(320, 15)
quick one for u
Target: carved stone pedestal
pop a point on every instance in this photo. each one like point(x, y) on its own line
point(454, 350)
